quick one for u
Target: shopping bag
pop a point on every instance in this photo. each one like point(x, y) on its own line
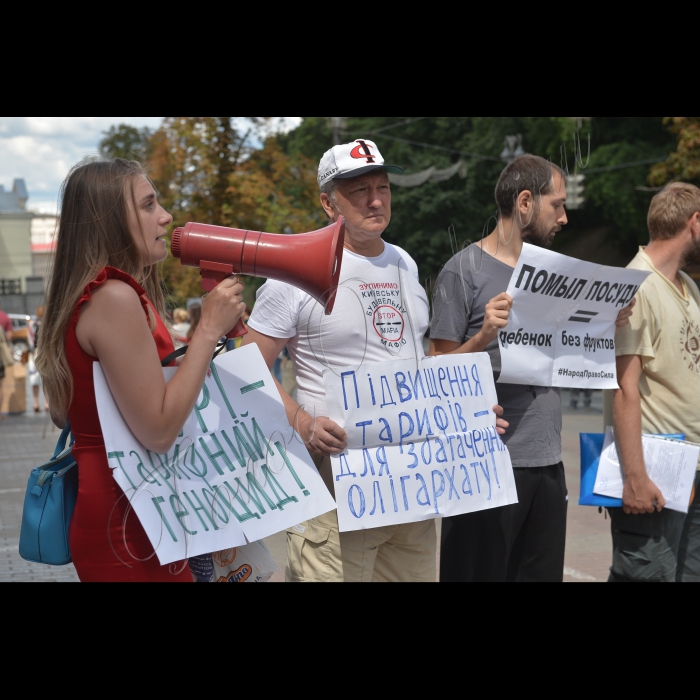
point(250, 564)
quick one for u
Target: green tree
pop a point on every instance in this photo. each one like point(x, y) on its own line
point(609, 227)
point(616, 189)
point(128, 142)
point(215, 170)
point(684, 163)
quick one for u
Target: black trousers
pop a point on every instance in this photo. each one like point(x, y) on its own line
point(524, 543)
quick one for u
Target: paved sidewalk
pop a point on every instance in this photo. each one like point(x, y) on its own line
point(22, 448)
point(589, 542)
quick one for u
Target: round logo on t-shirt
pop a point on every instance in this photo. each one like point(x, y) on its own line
point(690, 342)
point(389, 324)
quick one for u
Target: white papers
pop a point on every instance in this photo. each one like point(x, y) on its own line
point(422, 441)
point(670, 464)
point(237, 473)
point(562, 327)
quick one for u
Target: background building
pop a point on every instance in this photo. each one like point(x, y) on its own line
point(15, 239)
point(24, 264)
point(43, 246)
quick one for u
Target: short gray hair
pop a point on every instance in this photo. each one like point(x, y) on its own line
point(329, 188)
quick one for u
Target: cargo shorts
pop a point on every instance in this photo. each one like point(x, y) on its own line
point(317, 552)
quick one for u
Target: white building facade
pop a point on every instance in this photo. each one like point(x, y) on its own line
point(43, 245)
point(15, 239)
point(27, 251)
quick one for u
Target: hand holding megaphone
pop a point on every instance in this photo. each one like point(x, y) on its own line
point(222, 308)
point(308, 261)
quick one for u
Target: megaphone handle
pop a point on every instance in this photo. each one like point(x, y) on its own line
point(210, 280)
point(238, 332)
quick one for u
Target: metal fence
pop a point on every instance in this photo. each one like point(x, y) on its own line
point(10, 287)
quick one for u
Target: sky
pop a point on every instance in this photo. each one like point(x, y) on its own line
point(41, 150)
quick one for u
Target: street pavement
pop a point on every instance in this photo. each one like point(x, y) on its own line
point(589, 540)
point(28, 440)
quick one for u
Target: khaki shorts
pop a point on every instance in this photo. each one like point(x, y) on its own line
point(317, 552)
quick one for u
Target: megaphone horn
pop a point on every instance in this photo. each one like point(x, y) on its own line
point(309, 261)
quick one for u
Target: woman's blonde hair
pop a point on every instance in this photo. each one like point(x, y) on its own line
point(93, 233)
point(181, 316)
point(195, 319)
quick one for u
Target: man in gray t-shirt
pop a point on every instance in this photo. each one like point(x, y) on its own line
point(524, 542)
point(466, 286)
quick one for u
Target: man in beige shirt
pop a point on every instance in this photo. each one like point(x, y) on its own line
point(659, 376)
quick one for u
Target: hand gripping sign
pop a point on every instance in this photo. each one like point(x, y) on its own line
point(236, 474)
point(422, 441)
point(562, 327)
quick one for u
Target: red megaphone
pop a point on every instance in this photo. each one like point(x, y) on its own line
point(309, 261)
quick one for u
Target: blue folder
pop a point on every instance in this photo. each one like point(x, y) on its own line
point(591, 452)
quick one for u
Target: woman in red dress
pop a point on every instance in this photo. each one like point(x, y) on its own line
point(106, 305)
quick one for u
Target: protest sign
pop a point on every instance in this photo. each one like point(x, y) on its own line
point(422, 441)
point(237, 472)
point(670, 464)
point(561, 331)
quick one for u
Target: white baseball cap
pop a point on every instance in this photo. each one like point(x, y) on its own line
point(352, 160)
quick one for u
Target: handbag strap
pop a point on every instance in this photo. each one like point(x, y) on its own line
point(63, 440)
point(174, 356)
point(183, 351)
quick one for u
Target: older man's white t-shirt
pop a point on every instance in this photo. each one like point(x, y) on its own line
point(381, 314)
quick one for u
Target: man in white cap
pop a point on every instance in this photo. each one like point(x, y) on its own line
point(354, 183)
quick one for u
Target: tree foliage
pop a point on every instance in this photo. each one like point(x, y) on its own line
point(234, 171)
point(684, 163)
point(613, 219)
point(215, 170)
point(128, 142)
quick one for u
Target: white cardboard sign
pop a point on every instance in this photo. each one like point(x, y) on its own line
point(562, 327)
point(422, 441)
point(237, 473)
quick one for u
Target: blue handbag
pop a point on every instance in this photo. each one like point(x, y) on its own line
point(48, 508)
point(591, 451)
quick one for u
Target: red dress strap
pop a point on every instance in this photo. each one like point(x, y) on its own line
point(110, 273)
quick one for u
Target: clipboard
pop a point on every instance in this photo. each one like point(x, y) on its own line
point(591, 452)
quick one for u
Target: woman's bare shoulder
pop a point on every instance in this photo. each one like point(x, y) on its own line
point(113, 302)
point(115, 294)
point(112, 305)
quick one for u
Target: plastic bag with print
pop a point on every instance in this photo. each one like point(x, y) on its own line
point(250, 564)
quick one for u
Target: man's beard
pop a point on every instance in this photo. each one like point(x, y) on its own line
point(692, 257)
point(537, 235)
